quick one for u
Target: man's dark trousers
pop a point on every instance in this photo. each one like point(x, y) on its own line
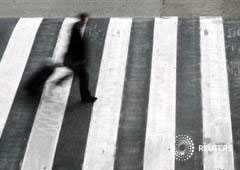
point(83, 78)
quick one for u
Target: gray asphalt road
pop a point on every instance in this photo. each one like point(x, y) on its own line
point(119, 8)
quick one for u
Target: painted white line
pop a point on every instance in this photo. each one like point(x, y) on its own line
point(48, 121)
point(102, 137)
point(217, 128)
point(13, 63)
point(160, 132)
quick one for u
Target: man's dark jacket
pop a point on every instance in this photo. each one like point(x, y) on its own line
point(77, 47)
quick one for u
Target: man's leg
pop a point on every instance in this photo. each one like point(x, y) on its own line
point(62, 79)
point(37, 80)
point(83, 82)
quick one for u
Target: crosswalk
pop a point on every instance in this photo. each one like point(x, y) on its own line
point(155, 78)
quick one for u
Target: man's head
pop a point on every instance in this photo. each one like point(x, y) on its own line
point(83, 18)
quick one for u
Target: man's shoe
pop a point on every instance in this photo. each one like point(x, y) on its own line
point(90, 99)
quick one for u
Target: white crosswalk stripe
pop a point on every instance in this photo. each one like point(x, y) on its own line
point(46, 128)
point(160, 132)
point(13, 63)
point(215, 96)
point(102, 138)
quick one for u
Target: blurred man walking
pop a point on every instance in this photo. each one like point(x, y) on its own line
point(76, 58)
